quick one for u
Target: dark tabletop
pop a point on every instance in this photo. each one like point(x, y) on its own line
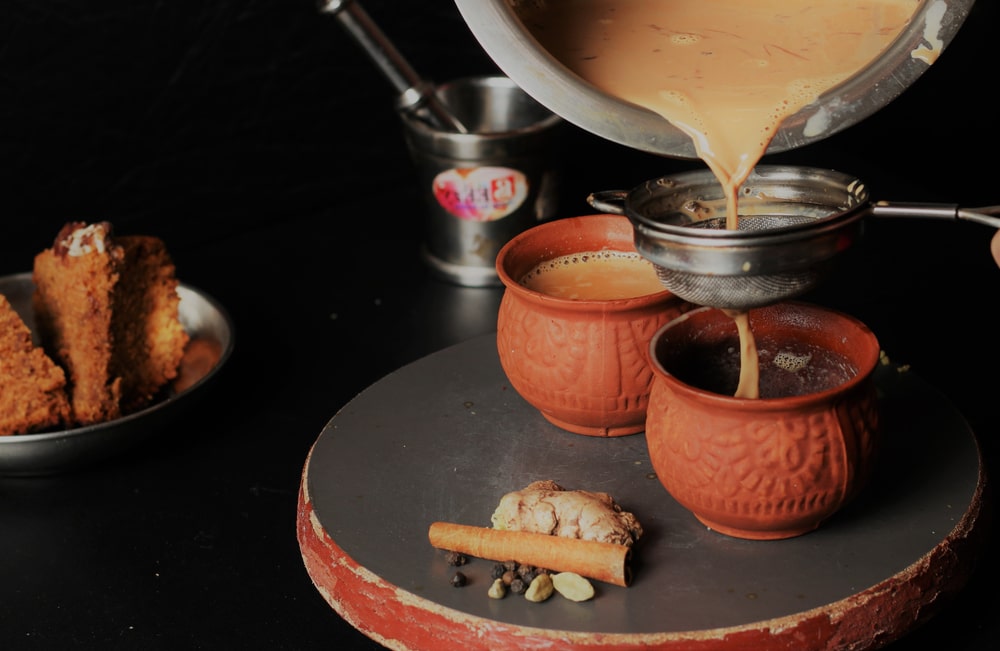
point(259, 141)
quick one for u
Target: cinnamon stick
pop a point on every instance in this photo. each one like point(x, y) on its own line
point(602, 561)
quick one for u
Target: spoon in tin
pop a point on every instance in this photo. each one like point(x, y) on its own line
point(416, 95)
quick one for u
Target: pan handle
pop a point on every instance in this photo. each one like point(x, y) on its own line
point(988, 216)
point(609, 201)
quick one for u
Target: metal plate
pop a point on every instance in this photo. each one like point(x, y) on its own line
point(446, 437)
point(211, 345)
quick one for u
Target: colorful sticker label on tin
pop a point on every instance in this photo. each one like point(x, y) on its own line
point(481, 194)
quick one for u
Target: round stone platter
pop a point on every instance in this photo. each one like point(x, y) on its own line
point(443, 438)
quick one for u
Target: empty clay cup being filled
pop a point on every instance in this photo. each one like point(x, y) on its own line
point(578, 311)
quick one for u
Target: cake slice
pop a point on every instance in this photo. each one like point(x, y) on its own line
point(106, 309)
point(32, 387)
point(148, 339)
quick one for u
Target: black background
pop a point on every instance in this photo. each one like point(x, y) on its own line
point(259, 141)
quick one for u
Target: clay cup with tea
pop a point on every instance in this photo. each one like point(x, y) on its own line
point(779, 465)
point(578, 311)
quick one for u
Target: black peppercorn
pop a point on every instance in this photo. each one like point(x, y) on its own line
point(456, 559)
point(458, 580)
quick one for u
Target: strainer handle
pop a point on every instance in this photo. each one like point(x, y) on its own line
point(609, 201)
point(987, 216)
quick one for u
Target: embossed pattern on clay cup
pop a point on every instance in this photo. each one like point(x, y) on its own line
point(774, 467)
point(582, 363)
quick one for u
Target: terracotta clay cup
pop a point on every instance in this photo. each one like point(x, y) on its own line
point(777, 466)
point(581, 362)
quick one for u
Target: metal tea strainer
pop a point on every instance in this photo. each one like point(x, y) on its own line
point(794, 222)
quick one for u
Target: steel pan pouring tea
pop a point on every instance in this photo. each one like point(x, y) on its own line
point(728, 81)
point(794, 223)
point(506, 30)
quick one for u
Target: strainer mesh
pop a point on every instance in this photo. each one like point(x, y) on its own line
point(737, 292)
point(754, 222)
point(743, 292)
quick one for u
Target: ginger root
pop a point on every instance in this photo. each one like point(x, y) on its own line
point(545, 507)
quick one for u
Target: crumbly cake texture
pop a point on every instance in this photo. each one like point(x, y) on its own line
point(32, 387)
point(106, 309)
point(148, 337)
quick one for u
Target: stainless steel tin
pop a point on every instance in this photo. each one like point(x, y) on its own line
point(483, 187)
